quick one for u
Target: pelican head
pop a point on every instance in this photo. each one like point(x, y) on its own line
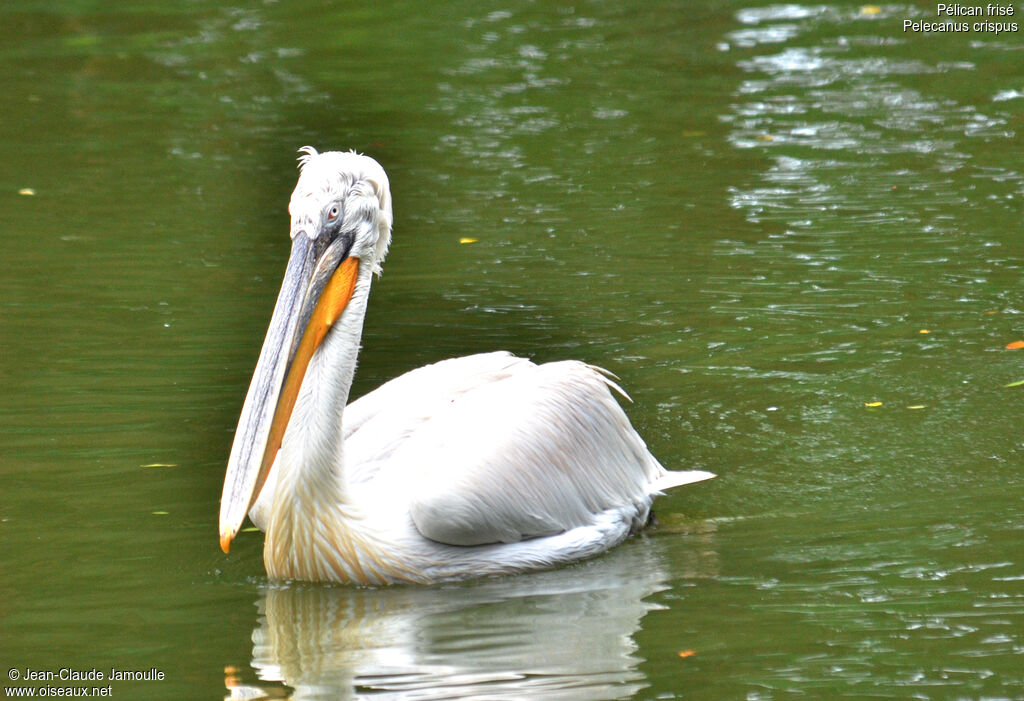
point(343, 194)
point(340, 222)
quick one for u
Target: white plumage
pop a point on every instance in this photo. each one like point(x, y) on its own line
point(472, 466)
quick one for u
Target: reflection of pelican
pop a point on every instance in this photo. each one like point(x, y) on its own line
point(472, 466)
point(490, 639)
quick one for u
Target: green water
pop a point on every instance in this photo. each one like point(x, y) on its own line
point(793, 231)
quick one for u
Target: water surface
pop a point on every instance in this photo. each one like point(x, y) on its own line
point(791, 230)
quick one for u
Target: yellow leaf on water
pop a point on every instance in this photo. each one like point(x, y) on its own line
point(872, 404)
point(26, 191)
point(870, 10)
point(916, 406)
point(160, 513)
point(160, 464)
point(1016, 345)
point(467, 239)
point(687, 653)
point(924, 331)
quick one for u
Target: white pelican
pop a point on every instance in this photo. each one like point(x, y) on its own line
point(473, 466)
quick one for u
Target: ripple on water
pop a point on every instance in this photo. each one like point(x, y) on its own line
point(872, 597)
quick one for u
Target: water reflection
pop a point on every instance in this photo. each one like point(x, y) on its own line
point(870, 185)
point(564, 634)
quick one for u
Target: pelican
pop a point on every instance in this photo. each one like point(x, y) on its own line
point(475, 466)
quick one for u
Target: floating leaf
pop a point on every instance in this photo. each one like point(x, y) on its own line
point(160, 513)
point(687, 653)
point(81, 40)
point(160, 464)
point(467, 239)
point(27, 191)
point(924, 331)
point(870, 10)
point(916, 406)
point(872, 404)
point(1018, 383)
point(1016, 345)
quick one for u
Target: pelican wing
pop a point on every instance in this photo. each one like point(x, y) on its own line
point(380, 422)
point(541, 450)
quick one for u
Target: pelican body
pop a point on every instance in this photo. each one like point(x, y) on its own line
point(474, 466)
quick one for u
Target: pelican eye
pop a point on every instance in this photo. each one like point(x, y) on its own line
point(334, 212)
